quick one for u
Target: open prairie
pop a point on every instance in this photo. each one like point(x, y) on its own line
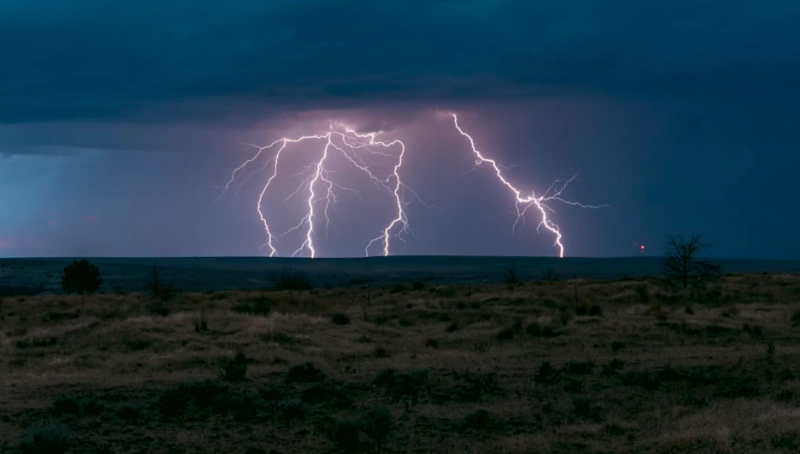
point(563, 366)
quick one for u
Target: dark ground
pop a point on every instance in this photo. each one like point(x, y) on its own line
point(227, 273)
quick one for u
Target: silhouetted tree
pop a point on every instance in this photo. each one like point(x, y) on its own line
point(157, 289)
point(81, 277)
point(682, 268)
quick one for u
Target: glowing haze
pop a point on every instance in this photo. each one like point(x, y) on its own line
point(359, 149)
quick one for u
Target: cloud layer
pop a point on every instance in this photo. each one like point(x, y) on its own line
point(193, 59)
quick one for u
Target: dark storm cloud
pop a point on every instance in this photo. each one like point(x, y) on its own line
point(207, 59)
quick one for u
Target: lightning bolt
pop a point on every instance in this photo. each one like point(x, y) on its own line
point(321, 186)
point(524, 202)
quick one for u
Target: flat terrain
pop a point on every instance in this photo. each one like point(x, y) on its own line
point(551, 367)
point(242, 273)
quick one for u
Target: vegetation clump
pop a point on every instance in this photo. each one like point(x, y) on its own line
point(235, 369)
point(304, 373)
point(52, 439)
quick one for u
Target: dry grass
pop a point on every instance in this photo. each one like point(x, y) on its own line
point(500, 371)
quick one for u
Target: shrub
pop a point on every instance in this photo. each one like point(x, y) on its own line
point(205, 394)
point(617, 346)
point(340, 319)
point(452, 327)
point(579, 367)
point(432, 343)
point(91, 407)
point(478, 420)
point(234, 369)
point(323, 393)
point(201, 323)
point(377, 423)
point(242, 405)
point(304, 373)
point(533, 329)
point(345, 434)
point(286, 279)
point(796, 318)
point(613, 367)
point(546, 374)
point(52, 439)
point(130, 412)
point(66, 406)
point(173, 401)
point(480, 384)
point(290, 409)
point(406, 384)
point(647, 380)
point(582, 408)
point(505, 334)
point(381, 352)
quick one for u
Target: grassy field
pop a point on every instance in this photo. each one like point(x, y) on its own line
point(551, 367)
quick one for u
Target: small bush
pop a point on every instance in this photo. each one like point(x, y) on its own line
point(290, 409)
point(345, 434)
point(340, 319)
point(135, 345)
point(206, 394)
point(408, 384)
point(796, 318)
point(304, 373)
point(546, 374)
point(582, 408)
point(91, 407)
point(445, 292)
point(612, 368)
point(158, 308)
point(617, 346)
point(593, 310)
point(505, 334)
point(647, 380)
point(579, 367)
point(53, 439)
point(753, 330)
point(323, 393)
point(377, 423)
point(432, 343)
point(173, 401)
point(201, 323)
point(381, 352)
point(66, 406)
point(242, 405)
point(480, 384)
point(478, 420)
point(234, 369)
point(130, 412)
point(452, 327)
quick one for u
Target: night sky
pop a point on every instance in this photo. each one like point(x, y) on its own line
point(120, 121)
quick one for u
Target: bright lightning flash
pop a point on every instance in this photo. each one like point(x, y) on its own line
point(523, 202)
point(319, 182)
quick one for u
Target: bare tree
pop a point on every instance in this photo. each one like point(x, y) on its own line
point(159, 290)
point(682, 268)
